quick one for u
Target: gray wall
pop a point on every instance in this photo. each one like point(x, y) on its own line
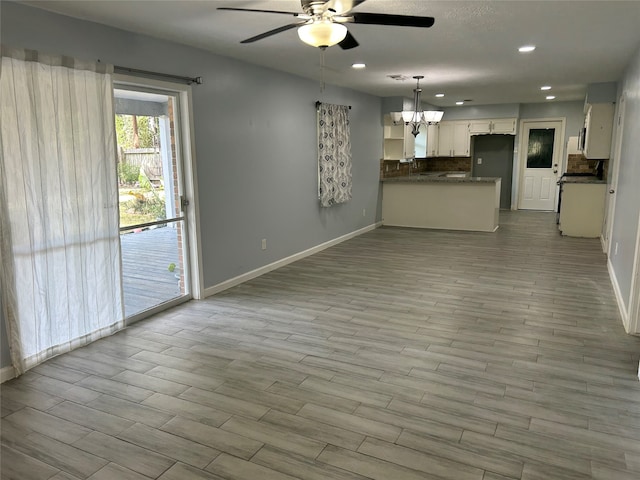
point(474, 112)
point(625, 226)
point(572, 111)
point(255, 143)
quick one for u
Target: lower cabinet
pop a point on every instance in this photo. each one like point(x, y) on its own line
point(582, 209)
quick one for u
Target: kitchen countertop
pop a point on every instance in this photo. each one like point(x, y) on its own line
point(438, 178)
point(583, 180)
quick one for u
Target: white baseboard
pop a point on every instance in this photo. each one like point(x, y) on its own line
point(603, 244)
point(232, 282)
point(7, 373)
point(620, 301)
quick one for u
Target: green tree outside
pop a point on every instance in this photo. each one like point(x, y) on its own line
point(147, 129)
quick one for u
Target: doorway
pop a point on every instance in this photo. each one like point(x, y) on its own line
point(493, 157)
point(540, 154)
point(612, 178)
point(153, 226)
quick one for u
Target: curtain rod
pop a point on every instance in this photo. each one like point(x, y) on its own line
point(188, 80)
point(319, 102)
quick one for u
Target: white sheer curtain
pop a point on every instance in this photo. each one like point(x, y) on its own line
point(334, 154)
point(61, 273)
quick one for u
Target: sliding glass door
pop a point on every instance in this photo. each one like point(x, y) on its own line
point(152, 210)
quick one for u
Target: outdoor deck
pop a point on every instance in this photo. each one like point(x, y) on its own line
point(146, 257)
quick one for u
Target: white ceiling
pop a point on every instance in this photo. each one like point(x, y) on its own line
point(469, 53)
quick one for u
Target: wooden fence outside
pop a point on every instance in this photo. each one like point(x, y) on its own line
point(147, 158)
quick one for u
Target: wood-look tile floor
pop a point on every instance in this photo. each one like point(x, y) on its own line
point(400, 354)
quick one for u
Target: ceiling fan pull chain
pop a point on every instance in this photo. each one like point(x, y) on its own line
point(322, 50)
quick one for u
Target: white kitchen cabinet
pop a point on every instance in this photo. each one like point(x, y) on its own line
point(454, 139)
point(598, 126)
point(479, 127)
point(582, 209)
point(398, 141)
point(432, 140)
point(461, 139)
point(445, 139)
point(506, 126)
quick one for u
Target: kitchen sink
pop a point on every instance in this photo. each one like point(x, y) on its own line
point(454, 175)
point(445, 174)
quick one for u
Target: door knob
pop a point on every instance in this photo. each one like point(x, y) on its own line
point(612, 191)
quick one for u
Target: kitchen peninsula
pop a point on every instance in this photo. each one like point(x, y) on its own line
point(441, 200)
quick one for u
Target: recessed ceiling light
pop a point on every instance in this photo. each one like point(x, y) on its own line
point(459, 103)
point(439, 95)
point(527, 48)
point(550, 97)
point(358, 65)
point(546, 87)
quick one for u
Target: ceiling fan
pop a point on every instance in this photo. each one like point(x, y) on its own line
point(321, 24)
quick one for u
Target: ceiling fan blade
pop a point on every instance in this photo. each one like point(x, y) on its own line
point(349, 42)
point(394, 20)
point(272, 32)
point(342, 6)
point(233, 9)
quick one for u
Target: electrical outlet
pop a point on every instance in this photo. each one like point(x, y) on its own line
point(386, 168)
point(479, 161)
point(264, 244)
point(364, 212)
point(615, 250)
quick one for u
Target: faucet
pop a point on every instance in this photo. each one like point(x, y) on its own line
point(411, 161)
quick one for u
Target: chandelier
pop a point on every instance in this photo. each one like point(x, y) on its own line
point(417, 117)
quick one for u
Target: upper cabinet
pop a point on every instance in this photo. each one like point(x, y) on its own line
point(398, 141)
point(427, 142)
point(454, 139)
point(598, 127)
point(505, 126)
point(432, 140)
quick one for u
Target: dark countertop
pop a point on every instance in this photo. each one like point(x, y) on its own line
point(438, 178)
point(582, 180)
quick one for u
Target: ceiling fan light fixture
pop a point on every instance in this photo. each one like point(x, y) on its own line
point(322, 34)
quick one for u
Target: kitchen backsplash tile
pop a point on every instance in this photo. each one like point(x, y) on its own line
point(578, 163)
point(393, 168)
point(449, 164)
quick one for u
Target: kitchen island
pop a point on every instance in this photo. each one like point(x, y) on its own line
point(441, 201)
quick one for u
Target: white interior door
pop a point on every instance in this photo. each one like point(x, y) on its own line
point(541, 152)
point(612, 178)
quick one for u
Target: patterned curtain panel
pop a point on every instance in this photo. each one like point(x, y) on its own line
point(334, 154)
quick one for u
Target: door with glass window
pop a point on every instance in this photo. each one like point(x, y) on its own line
point(540, 153)
point(150, 186)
